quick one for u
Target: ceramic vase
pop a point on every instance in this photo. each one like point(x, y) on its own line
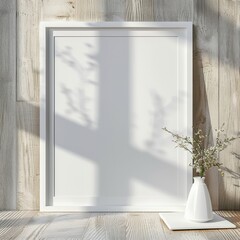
point(199, 206)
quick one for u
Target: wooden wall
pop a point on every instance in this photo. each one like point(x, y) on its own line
point(216, 81)
point(8, 104)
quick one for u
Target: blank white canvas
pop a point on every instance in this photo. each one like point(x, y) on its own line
point(114, 92)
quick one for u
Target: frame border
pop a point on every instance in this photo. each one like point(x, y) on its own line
point(44, 109)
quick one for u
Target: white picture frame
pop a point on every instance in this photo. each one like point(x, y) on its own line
point(49, 65)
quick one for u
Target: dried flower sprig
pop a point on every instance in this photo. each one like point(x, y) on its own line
point(203, 157)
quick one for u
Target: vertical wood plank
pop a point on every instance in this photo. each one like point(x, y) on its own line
point(114, 10)
point(30, 12)
point(27, 106)
point(28, 156)
point(172, 10)
point(7, 104)
point(205, 79)
point(58, 10)
point(229, 99)
point(166, 10)
point(100, 10)
point(28, 17)
point(90, 10)
point(139, 10)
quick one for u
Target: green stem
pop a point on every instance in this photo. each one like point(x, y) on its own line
point(202, 172)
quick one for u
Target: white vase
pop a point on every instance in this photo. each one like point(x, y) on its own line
point(199, 206)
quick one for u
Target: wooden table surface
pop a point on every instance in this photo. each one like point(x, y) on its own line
point(34, 225)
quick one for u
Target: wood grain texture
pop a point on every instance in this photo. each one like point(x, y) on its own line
point(12, 223)
point(229, 99)
point(216, 97)
point(90, 10)
point(28, 17)
point(104, 226)
point(7, 104)
point(58, 10)
point(27, 105)
point(205, 78)
point(173, 10)
point(144, 226)
point(115, 225)
point(114, 10)
point(28, 156)
point(139, 10)
point(234, 217)
point(166, 10)
point(56, 226)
